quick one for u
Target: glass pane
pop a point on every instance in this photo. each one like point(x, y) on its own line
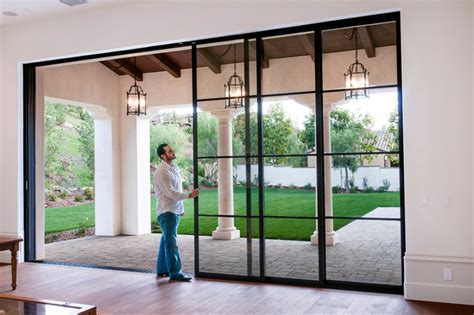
point(288, 63)
point(289, 124)
point(376, 53)
point(210, 183)
point(367, 251)
point(363, 185)
point(290, 186)
point(240, 186)
point(217, 63)
point(288, 248)
point(214, 119)
point(238, 256)
point(364, 125)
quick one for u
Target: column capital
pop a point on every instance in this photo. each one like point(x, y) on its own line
point(224, 115)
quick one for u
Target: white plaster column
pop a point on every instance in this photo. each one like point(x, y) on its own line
point(135, 165)
point(226, 229)
point(107, 203)
point(331, 236)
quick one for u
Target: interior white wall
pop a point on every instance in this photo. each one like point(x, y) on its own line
point(437, 106)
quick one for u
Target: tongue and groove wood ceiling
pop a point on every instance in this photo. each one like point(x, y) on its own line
point(368, 38)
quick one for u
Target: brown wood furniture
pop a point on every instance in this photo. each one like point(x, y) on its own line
point(11, 304)
point(11, 244)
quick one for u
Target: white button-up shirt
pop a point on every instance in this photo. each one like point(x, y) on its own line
point(169, 189)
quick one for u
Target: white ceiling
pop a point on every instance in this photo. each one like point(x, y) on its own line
point(28, 10)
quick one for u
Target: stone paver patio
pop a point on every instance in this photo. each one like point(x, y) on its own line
point(369, 252)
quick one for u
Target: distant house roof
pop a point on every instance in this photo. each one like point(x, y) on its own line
point(384, 140)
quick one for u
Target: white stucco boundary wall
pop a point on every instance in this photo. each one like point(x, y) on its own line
point(302, 176)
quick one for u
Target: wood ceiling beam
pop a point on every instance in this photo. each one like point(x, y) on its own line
point(126, 67)
point(367, 41)
point(308, 43)
point(166, 63)
point(209, 60)
point(253, 51)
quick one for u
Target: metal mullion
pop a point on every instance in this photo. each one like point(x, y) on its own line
point(401, 162)
point(288, 94)
point(29, 158)
point(210, 99)
point(195, 160)
point(248, 170)
point(359, 153)
point(227, 216)
point(261, 182)
point(290, 155)
point(224, 157)
point(374, 87)
point(318, 54)
point(362, 218)
point(289, 217)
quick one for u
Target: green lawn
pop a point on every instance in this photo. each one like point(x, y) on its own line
point(278, 202)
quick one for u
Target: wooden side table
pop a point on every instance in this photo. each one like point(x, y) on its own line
point(11, 244)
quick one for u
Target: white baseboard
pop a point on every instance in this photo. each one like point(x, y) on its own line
point(435, 292)
point(424, 279)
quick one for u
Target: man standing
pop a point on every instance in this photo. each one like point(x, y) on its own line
point(169, 193)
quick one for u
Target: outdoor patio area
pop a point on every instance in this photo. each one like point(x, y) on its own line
point(369, 252)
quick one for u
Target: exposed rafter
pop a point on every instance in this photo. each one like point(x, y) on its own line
point(367, 41)
point(124, 66)
point(253, 51)
point(166, 63)
point(209, 60)
point(308, 43)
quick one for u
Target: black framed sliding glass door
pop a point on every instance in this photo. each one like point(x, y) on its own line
point(301, 172)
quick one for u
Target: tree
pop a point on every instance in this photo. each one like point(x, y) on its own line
point(279, 135)
point(179, 140)
point(85, 131)
point(307, 135)
point(392, 130)
point(52, 137)
point(350, 133)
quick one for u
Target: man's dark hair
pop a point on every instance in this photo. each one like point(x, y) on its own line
point(161, 150)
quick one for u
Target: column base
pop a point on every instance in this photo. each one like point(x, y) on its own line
point(225, 233)
point(331, 238)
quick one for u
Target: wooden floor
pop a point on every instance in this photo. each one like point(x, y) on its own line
point(131, 292)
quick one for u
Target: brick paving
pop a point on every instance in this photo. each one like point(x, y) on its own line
point(369, 251)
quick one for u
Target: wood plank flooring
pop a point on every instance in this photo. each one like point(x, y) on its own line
point(140, 293)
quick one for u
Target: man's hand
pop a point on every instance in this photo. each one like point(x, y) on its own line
point(194, 193)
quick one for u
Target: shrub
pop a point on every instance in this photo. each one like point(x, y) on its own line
point(63, 194)
point(78, 198)
point(365, 183)
point(369, 190)
point(336, 189)
point(88, 193)
point(353, 189)
point(308, 186)
point(52, 197)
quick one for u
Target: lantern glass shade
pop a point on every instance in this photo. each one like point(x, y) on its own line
point(356, 78)
point(234, 91)
point(136, 101)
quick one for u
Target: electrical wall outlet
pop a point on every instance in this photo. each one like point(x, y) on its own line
point(448, 274)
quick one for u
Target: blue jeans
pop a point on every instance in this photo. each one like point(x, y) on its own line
point(168, 254)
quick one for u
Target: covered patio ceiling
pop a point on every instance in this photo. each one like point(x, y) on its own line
point(369, 38)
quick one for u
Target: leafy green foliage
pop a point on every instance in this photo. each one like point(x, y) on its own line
point(180, 140)
point(350, 133)
point(68, 152)
point(279, 136)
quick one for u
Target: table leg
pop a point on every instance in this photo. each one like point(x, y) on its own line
point(14, 265)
